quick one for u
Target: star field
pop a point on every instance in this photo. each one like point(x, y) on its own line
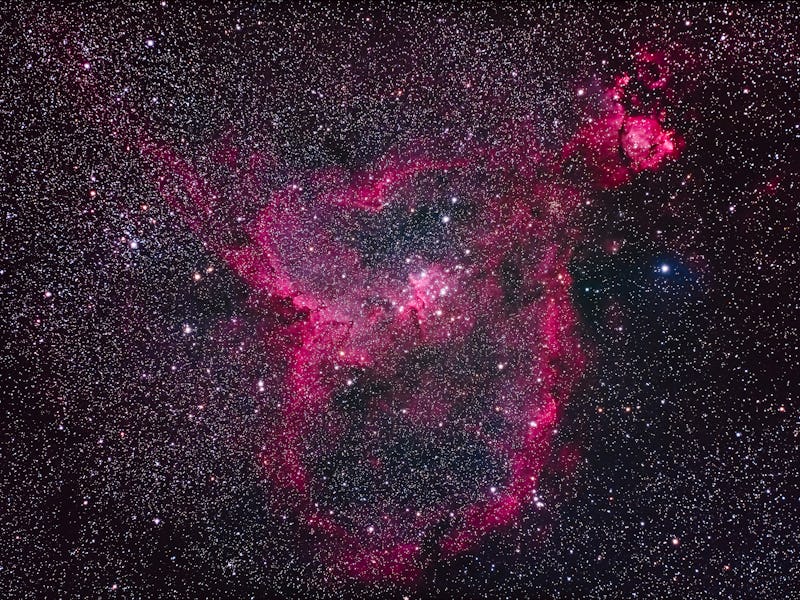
point(399, 301)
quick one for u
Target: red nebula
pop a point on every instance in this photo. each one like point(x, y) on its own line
point(365, 323)
point(432, 340)
point(619, 144)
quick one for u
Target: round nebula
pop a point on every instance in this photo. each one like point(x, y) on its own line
point(432, 339)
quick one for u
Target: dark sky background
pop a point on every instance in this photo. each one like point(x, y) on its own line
point(685, 421)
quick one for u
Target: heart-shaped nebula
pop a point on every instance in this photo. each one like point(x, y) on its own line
point(433, 340)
